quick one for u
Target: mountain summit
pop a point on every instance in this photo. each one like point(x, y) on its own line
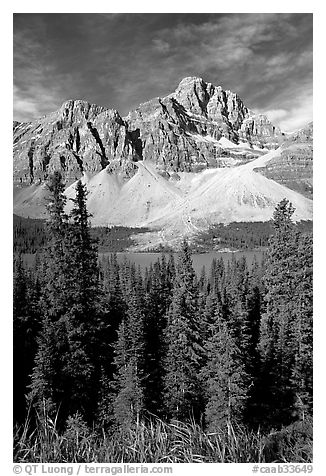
point(180, 132)
point(175, 164)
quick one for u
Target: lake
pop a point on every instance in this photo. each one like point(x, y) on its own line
point(144, 260)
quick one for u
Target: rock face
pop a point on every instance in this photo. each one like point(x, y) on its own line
point(180, 132)
point(223, 113)
point(79, 137)
point(293, 166)
point(175, 165)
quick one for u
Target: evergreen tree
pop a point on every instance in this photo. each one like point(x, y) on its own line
point(25, 329)
point(83, 255)
point(83, 321)
point(287, 320)
point(202, 283)
point(183, 343)
point(224, 375)
point(54, 303)
point(236, 312)
point(128, 384)
point(302, 331)
point(212, 305)
point(116, 310)
point(156, 304)
point(65, 366)
point(254, 300)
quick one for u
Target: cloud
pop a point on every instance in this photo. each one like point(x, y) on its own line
point(275, 115)
point(34, 103)
point(298, 116)
point(122, 60)
point(297, 109)
point(161, 46)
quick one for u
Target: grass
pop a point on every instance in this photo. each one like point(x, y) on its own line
point(154, 441)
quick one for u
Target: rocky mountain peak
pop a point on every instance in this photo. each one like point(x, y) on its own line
point(192, 82)
point(193, 93)
point(179, 132)
point(76, 111)
point(212, 102)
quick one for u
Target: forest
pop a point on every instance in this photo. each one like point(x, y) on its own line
point(30, 236)
point(240, 235)
point(114, 364)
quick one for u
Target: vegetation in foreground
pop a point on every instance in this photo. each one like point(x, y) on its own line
point(224, 361)
point(154, 441)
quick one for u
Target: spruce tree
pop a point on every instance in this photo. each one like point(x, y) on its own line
point(83, 254)
point(302, 331)
point(46, 385)
point(83, 322)
point(184, 350)
point(65, 373)
point(116, 308)
point(224, 375)
point(128, 383)
point(236, 312)
point(255, 306)
point(156, 304)
point(287, 321)
point(25, 329)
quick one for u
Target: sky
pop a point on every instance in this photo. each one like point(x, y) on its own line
point(120, 60)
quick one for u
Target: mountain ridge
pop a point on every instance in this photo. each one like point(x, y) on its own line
point(179, 132)
point(175, 165)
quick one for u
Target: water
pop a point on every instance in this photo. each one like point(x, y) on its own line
point(144, 260)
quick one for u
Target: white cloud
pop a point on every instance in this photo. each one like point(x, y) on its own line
point(297, 118)
point(34, 103)
point(293, 118)
point(276, 114)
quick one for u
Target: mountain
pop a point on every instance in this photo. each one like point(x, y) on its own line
point(78, 137)
point(180, 132)
point(175, 164)
point(292, 167)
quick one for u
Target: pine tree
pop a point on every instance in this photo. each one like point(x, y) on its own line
point(84, 321)
point(65, 372)
point(254, 300)
point(128, 384)
point(236, 286)
point(25, 329)
point(284, 325)
point(54, 303)
point(116, 310)
point(83, 255)
point(183, 343)
point(155, 307)
point(209, 305)
point(302, 331)
point(224, 375)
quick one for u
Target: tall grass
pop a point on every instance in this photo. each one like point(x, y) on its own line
point(154, 441)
